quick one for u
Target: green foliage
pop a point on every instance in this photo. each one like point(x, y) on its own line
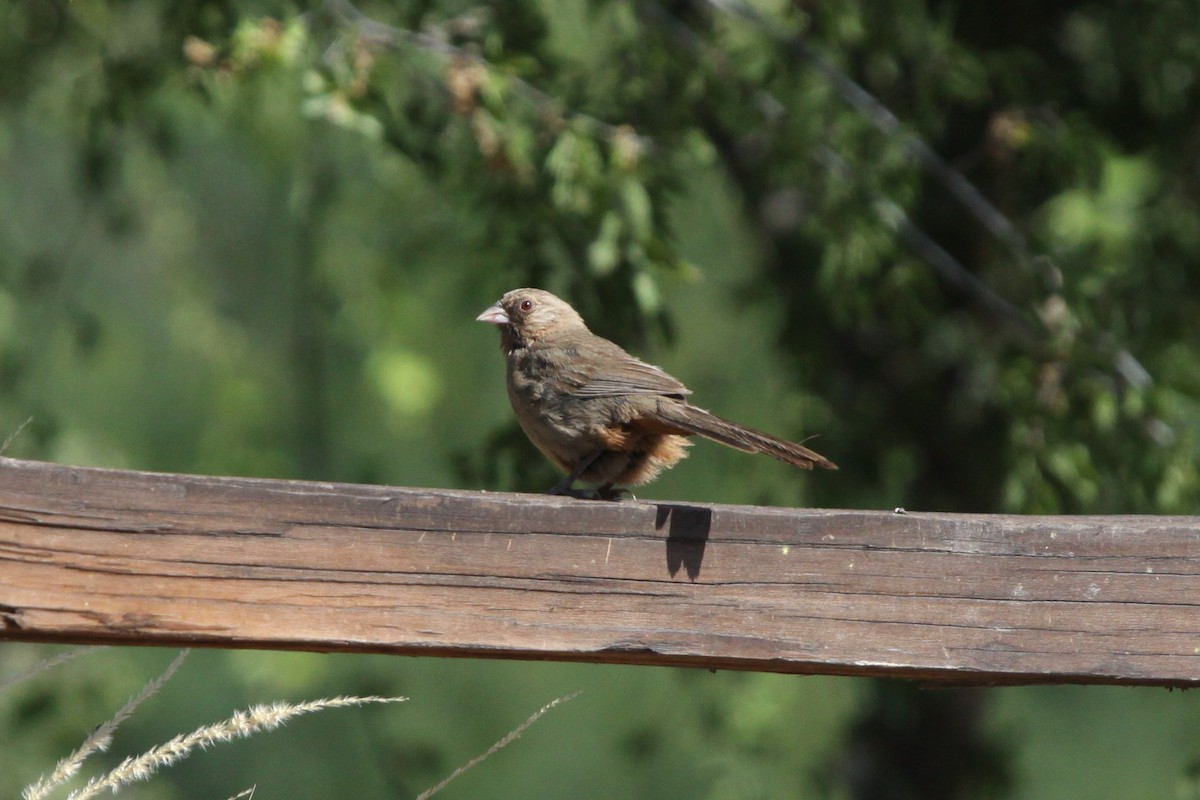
point(957, 240)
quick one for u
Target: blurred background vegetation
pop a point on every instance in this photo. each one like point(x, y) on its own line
point(959, 241)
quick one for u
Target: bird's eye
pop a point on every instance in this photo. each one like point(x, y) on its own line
point(526, 305)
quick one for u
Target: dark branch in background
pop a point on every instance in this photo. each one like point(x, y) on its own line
point(950, 268)
point(889, 212)
point(1124, 363)
point(381, 34)
point(879, 115)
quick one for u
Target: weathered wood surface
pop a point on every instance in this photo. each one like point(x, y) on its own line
point(91, 555)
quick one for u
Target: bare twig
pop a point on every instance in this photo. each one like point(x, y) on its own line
point(9, 439)
point(507, 739)
point(47, 664)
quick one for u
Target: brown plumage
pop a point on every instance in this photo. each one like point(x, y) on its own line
point(601, 415)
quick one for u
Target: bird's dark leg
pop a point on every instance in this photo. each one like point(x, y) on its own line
point(564, 486)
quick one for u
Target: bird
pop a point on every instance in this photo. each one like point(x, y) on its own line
point(601, 415)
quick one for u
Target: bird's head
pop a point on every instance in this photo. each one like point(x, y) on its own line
point(527, 315)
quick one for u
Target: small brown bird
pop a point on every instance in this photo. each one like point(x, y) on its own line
point(601, 415)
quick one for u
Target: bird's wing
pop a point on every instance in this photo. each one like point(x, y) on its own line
point(620, 374)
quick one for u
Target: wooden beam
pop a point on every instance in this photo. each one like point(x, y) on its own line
point(107, 556)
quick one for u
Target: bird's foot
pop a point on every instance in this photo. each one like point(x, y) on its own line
point(578, 494)
point(605, 492)
point(566, 488)
point(615, 493)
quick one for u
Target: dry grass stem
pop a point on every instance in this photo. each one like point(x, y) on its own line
point(9, 439)
point(241, 725)
point(49, 663)
point(513, 734)
point(100, 738)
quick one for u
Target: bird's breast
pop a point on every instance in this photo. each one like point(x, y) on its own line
point(541, 388)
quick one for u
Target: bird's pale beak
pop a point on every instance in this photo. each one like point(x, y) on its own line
point(495, 315)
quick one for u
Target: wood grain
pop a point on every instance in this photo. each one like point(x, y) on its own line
point(89, 555)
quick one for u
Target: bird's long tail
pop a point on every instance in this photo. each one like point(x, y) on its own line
point(694, 420)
